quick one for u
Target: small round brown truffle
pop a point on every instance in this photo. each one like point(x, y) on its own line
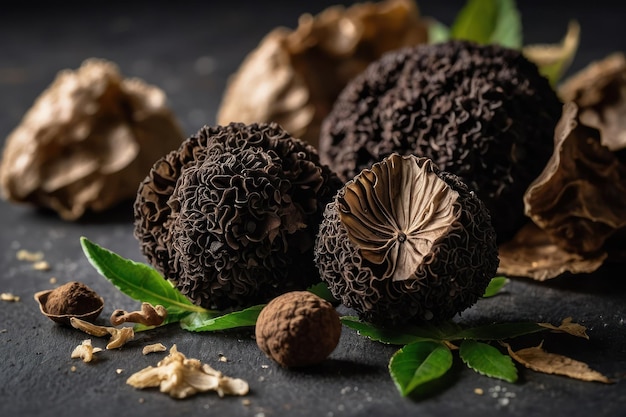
point(298, 329)
point(483, 113)
point(231, 216)
point(404, 242)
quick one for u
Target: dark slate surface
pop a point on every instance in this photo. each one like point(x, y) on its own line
point(160, 42)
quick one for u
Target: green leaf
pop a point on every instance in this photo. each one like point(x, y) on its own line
point(487, 360)
point(321, 290)
point(489, 21)
point(495, 285)
point(437, 32)
point(138, 281)
point(498, 331)
point(210, 322)
point(393, 336)
point(418, 363)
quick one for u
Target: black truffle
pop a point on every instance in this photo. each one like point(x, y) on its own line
point(231, 216)
point(483, 113)
point(404, 242)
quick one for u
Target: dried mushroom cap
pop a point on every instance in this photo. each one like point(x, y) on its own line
point(599, 90)
point(483, 113)
point(294, 76)
point(298, 329)
point(532, 254)
point(87, 141)
point(231, 216)
point(405, 242)
point(580, 197)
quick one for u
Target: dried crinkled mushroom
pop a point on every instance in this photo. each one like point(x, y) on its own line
point(406, 242)
point(149, 315)
point(85, 351)
point(580, 197)
point(294, 76)
point(155, 347)
point(87, 141)
point(481, 112)
point(181, 377)
point(231, 216)
point(599, 90)
point(119, 337)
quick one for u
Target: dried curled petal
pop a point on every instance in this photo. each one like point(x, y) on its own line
point(580, 197)
point(231, 216)
point(87, 141)
point(293, 76)
point(448, 273)
point(394, 215)
point(483, 113)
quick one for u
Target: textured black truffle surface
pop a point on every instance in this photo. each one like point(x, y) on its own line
point(231, 216)
point(483, 113)
point(452, 276)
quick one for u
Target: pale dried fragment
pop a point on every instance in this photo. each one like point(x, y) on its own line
point(532, 254)
point(41, 266)
point(294, 76)
point(568, 326)
point(181, 377)
point(155, 347)
point(25, 255)
point(85, 351)
point(149, 315)
point(554, 59)
point(7, 296)
point(599, 90)
point(539, 360)
point(580, 197)
point(87, 141)
point(119, 337)
point(396, 211)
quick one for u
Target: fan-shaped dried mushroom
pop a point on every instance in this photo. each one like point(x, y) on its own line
point(483, 113)
point(293, 77)
point(580, 197)
point(231, 216)
point(405, 242)
point(87, 142)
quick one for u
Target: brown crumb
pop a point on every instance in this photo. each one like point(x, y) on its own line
point(478, 391)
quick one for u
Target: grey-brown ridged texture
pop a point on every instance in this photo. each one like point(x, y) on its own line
point(452, 276)
point(483, 113)
point(231, 216)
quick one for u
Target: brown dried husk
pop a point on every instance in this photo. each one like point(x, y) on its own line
point(294, 76)
point(88, 141)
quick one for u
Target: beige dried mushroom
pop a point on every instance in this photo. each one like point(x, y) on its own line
point(87, 141)
point(294, 76)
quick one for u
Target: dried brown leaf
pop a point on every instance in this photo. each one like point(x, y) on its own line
point(567, 326)
point(539, 360)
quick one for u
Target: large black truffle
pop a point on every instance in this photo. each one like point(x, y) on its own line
point(404, 242)
point(231, 216)
point(483, 113)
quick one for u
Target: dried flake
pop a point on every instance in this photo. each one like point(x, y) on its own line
point(119, 337)
point(52, 280)
point(149, 315)
point(181, 377)
point(73, 368)
point(539, 360)
point(119, 371)
point(41, 266)
point(567, 326)
point(24, 255)
point(6, 296)
point(294, 76)
point(479, 391)
point(87, 141)
point(155, 347)
point(85, 351)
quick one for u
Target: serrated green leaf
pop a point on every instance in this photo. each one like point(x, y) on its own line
point(418, 363)
point(498, 331)
point(495, 285)
point(210, 322)
point(139, 281)
point(487, 360)
point(489, 21)
point(398, 336)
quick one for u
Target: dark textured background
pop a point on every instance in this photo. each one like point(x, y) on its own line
point(161, 43)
